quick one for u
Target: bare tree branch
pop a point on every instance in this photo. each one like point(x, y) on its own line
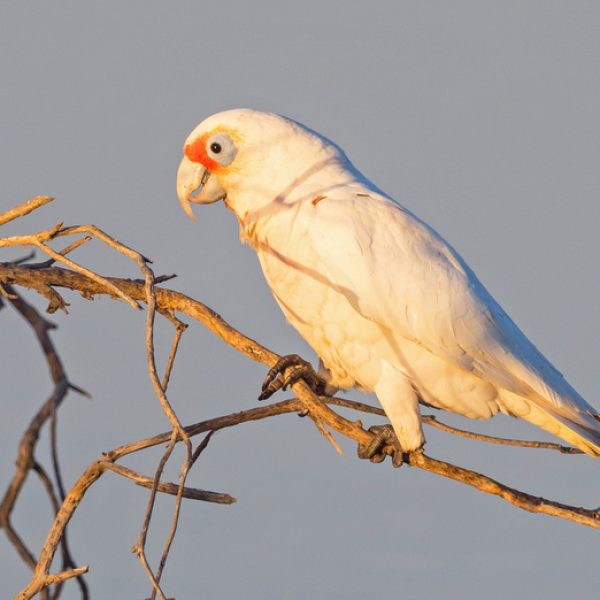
point(483, 483)
point(180, 491)
point(24, 208)
point(44, 278)
point(434, 422)
point(95, 470)
point(40, 240)
point(171, 300)
point(26, 457)
point(171, 488)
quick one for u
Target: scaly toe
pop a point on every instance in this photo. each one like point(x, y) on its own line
point(287, 371)
point(384, 443)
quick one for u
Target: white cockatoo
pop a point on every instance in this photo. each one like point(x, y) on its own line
point(385, 302)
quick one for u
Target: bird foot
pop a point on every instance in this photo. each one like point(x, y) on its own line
point(384, 443)
point(286, 372)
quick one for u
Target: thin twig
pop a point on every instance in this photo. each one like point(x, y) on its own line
point(202, 445)
point(48, 485)
point(491, 439)
point(48, 263)
point(326, 434)
point(171, 488)
point(26, 456)
point(38, 240)
point(30, 239)
point(55, 578)
point(163, 559)
point(24, 208)
point(435, 422)
point(67, 559)
point(83, 270)
point(178, 431)
point(180, 327)
point(140, 547)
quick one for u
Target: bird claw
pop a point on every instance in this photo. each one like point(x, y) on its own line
point(384, 443)
point(287, 371)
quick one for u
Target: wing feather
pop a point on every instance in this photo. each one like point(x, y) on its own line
point(398, 272)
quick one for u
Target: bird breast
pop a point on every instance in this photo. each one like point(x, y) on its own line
point(348, 344)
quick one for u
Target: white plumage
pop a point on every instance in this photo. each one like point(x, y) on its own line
point(385, 302)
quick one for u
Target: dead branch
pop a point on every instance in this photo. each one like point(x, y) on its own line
point(26, 456)
point(106, 462)
point(171, 488)
point(44, 278)
point(167, 299)
point(434, 422)
point(24, 208)
point(40, 240)
point(481, 482)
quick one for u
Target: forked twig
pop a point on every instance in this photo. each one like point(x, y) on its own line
point(180, 327)
point(26, 458)
point(39, 240)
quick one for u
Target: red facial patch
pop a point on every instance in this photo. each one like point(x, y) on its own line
point(196, 152)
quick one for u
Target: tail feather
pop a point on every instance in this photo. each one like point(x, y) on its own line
point(578, 427)
point(584, 432)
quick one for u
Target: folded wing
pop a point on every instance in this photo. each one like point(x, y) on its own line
point(398, 272)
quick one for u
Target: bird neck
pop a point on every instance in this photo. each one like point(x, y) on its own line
point(260, 198)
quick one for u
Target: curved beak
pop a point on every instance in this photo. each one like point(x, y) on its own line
point(196, 184)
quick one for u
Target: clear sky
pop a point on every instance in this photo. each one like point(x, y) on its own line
point(481, 117)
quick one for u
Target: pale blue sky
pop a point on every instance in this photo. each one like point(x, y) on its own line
point(481, 117)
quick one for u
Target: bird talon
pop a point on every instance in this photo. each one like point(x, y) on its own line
point(287, 371)
point(384, 443)
point(377, 458)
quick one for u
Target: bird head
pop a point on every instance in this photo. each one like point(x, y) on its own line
point(248, 158)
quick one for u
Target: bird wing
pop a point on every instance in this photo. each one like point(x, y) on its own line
point(399, 273)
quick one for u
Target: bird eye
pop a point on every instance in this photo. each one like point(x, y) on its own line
point(221, 148)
